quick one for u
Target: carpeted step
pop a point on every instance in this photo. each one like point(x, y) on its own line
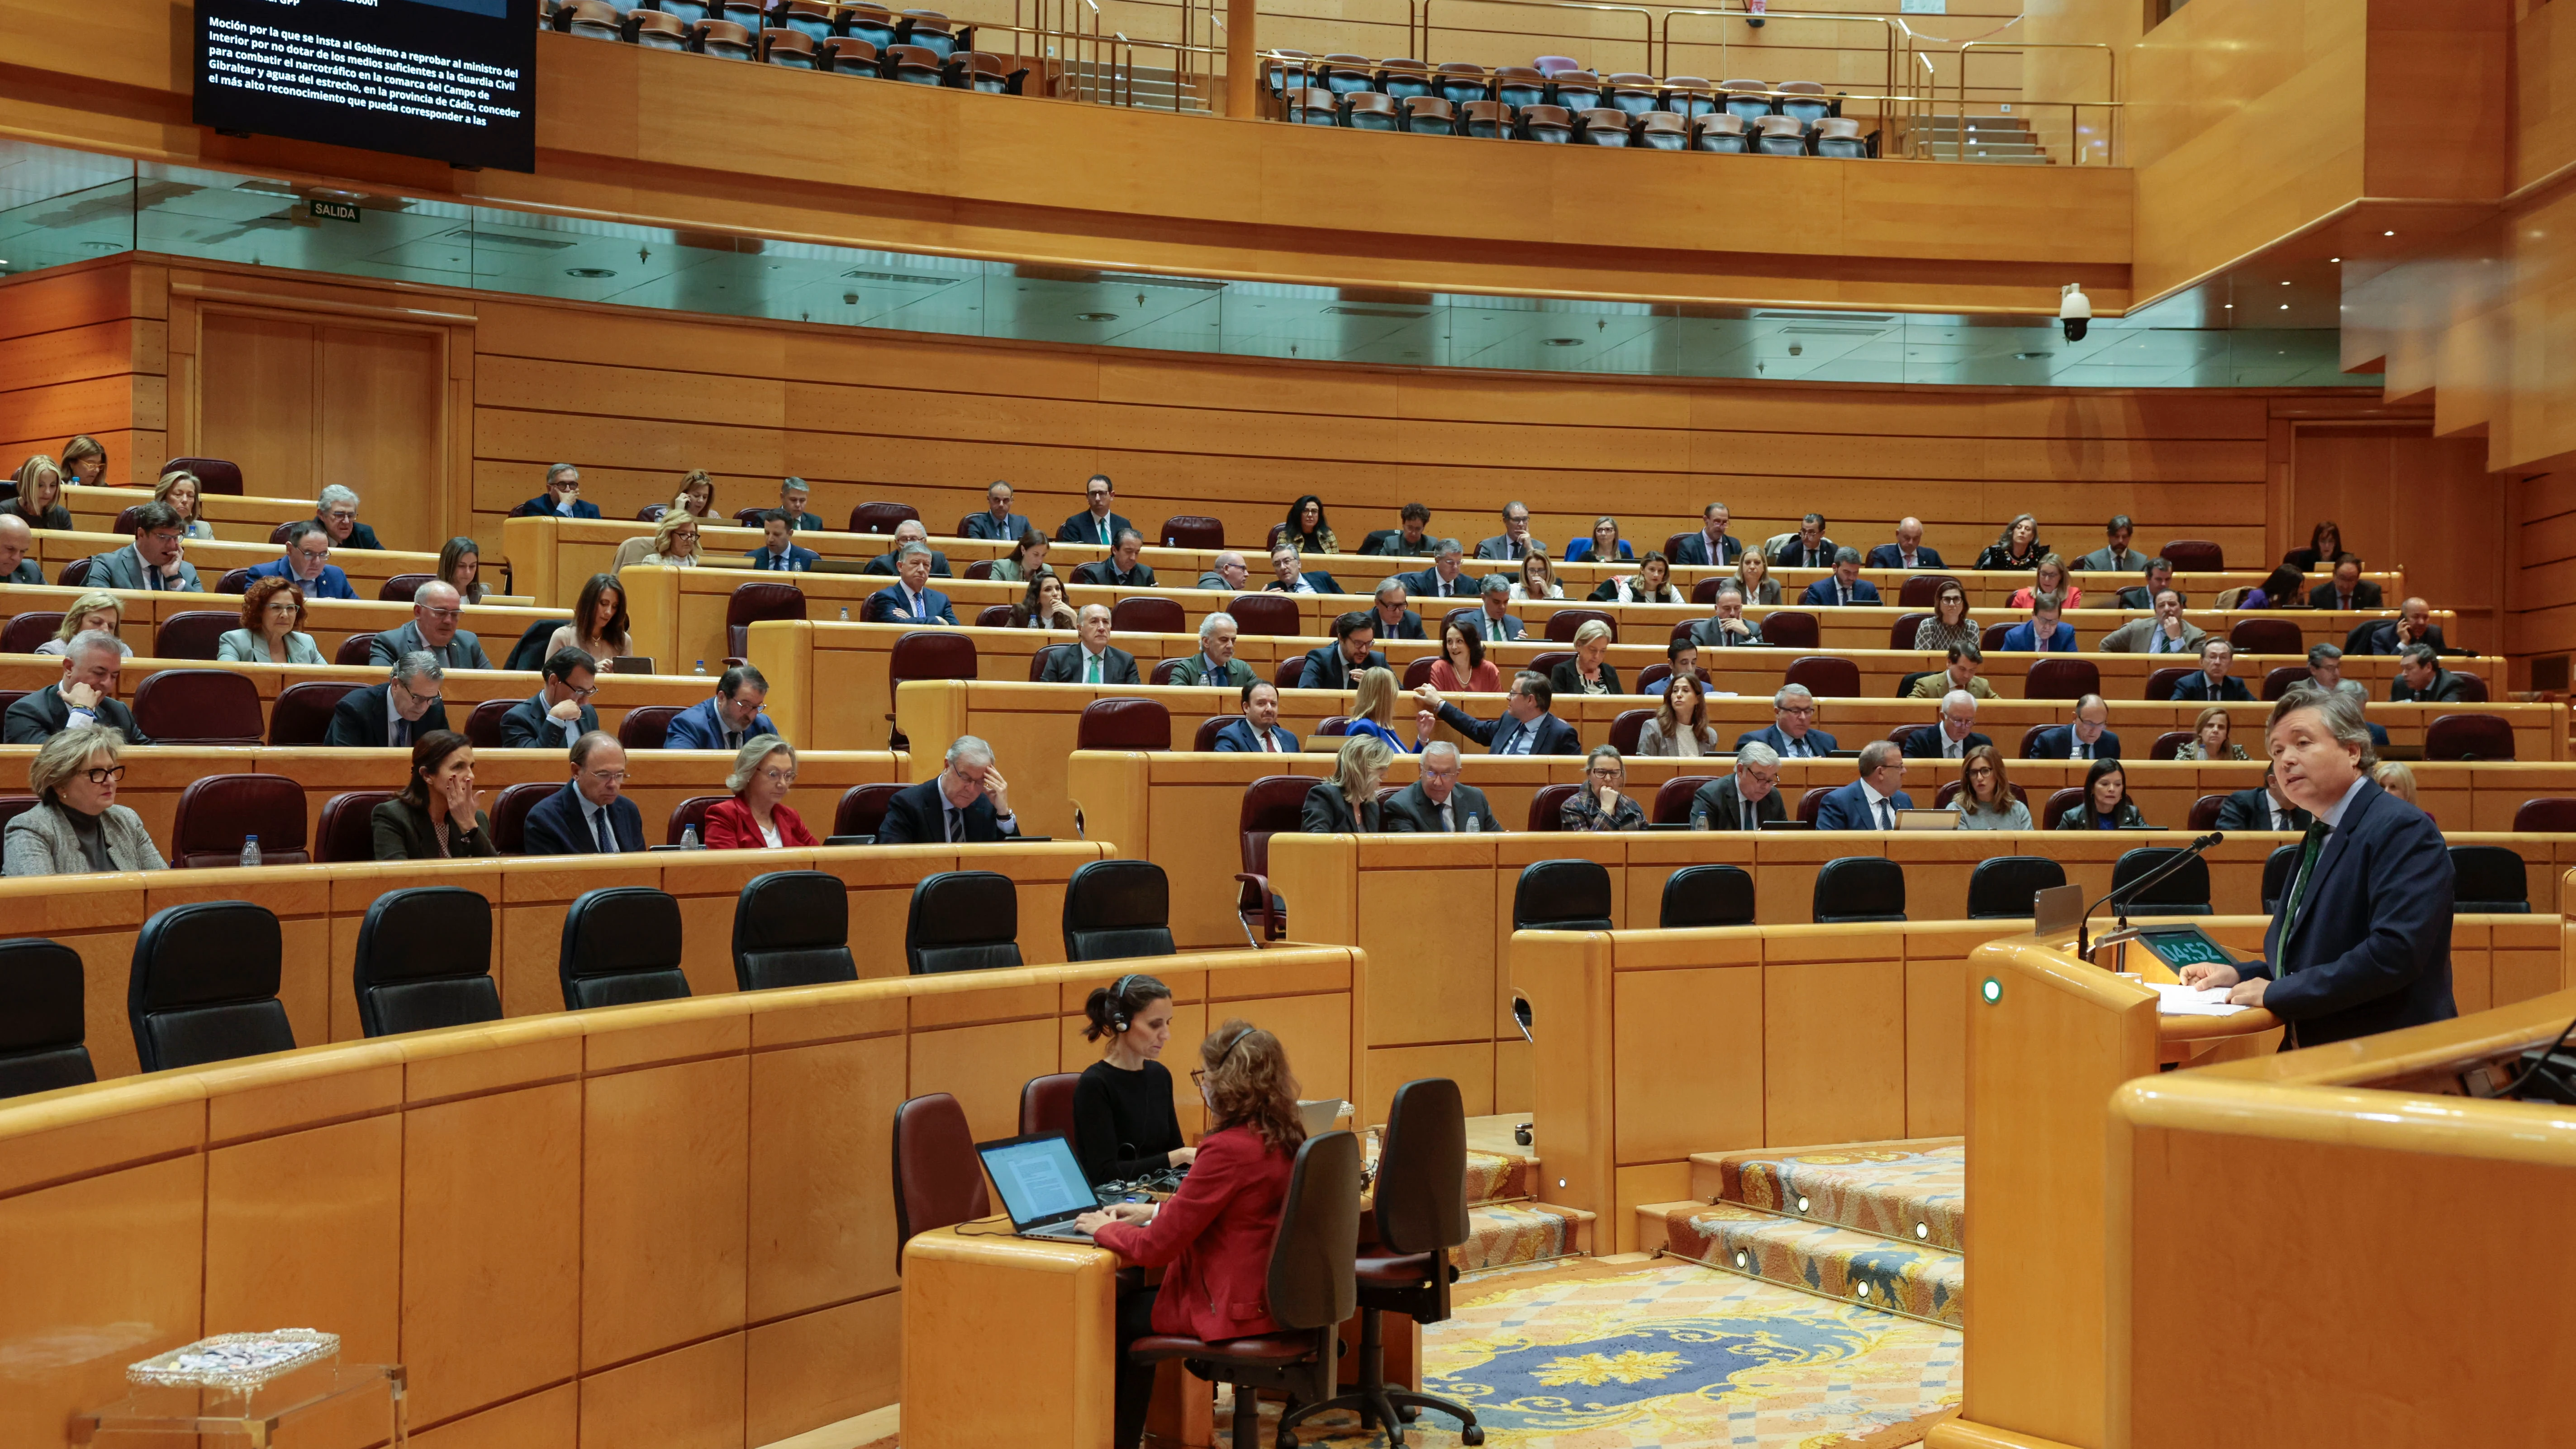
point(1500, 1177)
point(1821, 1257)
point(1500, 1234)
point(1915, 1191)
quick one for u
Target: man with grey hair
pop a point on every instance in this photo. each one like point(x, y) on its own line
point(562, 498)
point(1846, 588)
point(2361, 940)
point(909, 599)
point(1394, 621)
point(86, 694)
point(590, 815)
point(1792, 733)
point(1493, 597)
point(2421, 679)
point(793, 495)
point(1444, 579)
point(1289, 576)
point(1744, 799)
point(907, 532)
point(152, 561)
point(1435, 803)
point(967, 801)
point(17, 540)
point(1090, 659)
point(1228, 572)
point(2325, 671)
point(1870, 802)
point(435, 610)
point(337, 511)
point(1122, 569)
point(395, 714)
point(1514, 542)
point(1215, 663)
point(1726, 627)
point(1952, 735)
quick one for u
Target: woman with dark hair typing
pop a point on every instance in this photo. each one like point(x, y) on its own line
point(1124, 1124)
point(1213, 1237)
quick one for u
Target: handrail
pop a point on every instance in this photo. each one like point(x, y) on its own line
point(1423, 51)
point(1880, 21)
point(2075, 136)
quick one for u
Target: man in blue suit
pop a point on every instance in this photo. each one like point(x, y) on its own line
point(1445, 579)
point(2361, 940)
point(1846, 587)
point(1908, 551)
point(2212, 683)
point(1870, 802)
point(2089, 738)
point(562, 498)
point(307, 549)
point(777, 555)
point(1258, 732)
point(1792, 734)
point(726, 720)
point(591, 815)
point(1526, 727)
point(1338, 665)
point(1952, 735)
point(910, 599)
point(1099, 522)
point(1712, 546)
point(997, 521)
point(2041, 632)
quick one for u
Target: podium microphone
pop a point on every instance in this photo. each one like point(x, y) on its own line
point(2129, 892)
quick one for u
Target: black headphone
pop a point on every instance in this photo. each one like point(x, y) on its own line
point(1118, 1004)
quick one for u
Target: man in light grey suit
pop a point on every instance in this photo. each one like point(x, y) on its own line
point(2166, 633)
point(150, 562)
point(432, 631)
point(2114, 556)
point(1514, 542)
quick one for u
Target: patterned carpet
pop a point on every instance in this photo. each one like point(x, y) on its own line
point(1917, 1191)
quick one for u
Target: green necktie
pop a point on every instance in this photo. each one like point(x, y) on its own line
point(1094, 670)
point(2315, 842)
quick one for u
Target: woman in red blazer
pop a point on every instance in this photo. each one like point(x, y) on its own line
point(757, 817)
point(1215, 1233)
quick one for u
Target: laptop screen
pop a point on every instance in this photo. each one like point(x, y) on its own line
point(1038, 1179)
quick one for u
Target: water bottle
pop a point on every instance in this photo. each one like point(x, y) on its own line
point(250, 850)
point(702, 669)
point(1475, 823)
point(689, 838)
point(845, 613)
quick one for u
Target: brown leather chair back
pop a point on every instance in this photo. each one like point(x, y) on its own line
point(27, 630)
point(1544, 807)
point(647, 727)
point(1562, 624)
point(401, 587)
point(938, 1179)
point(993, 616)
point(1791, 629)
point(2547, 815)
point(2279, 681)
point(2160, 684)
point(347, 833)
point(216, 812)
point(2454, 737)
point(1811, 803)
point(882, 517)
point(2059, 802)
point(1921, 591)
point(1274, 614)
point(214, 475)
point(193, 634)
point(2062, 678)
point(201, 707)
point(353, 650)
point(1288, 671)
point(755, 603)
point(1625, 730)
point(302, 714)
point(1144, 615)
point(1826, 676)
point(1204, 741)
point(691, 812)
point(2204, 811)
point(2168, 743)
point(2267, 636)
point(510, 813)
point(1673, 797)
point(931, 654)
point(234, 581)
point(483, 726)
point(2195, 556)
point(1900, 635)
point(863, 809)
point(1124, 724)
point(1046, 1105)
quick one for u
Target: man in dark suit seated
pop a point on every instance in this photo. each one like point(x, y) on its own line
point(16, 542)
point(777, 554)
point(1289, 575)
point(1493, 602)
point(1413, 540)
point(2421, 679)
point(1435, 803)
point(86, 694)
point(1338, 665)
point(2347, 589)
point(1952, 735)
point(1514, 542)
point(435, 609)
point(1846, 588)
point(394, 714)
point(968, 801)
point(1745, 799)
point(1120, 570)
point(1908, 551)
point(2115, 555)
point(1870, 802)
point(2413, 625)
point(1447, 577)
point(727, 720)
point(590, 815)
point(793, 495)
point(1215, 663)
point(910, 599)
point(1712, 546)
point(1259, 731)
point(1961, 674)
point(1392, 619)
point(2041, 633)
point(2159, 577)
point(560, 711)
point(1526, 727)
point(2089, 738)
point(2213, 683)
point(997, 521)
point(336, 509)
point(1810, 549)
point(307, 564)
point(1726, 627)
point(1792, 734)
point(2361, 940)
point(2263, 809)
point(150, 562)
point(1090, 659)
point(1099, 522)
point(562, 498)
point(1227, 573)
point(907, 532)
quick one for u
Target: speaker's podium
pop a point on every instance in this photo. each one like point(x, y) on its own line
point(2178, 1237)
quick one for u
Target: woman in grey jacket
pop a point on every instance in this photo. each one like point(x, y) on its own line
point(77, 827)
point(272, 630)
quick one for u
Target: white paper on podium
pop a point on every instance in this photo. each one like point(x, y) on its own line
point(2174, 999)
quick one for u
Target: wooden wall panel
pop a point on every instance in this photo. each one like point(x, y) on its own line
point(71, 348)
point(2375, 482)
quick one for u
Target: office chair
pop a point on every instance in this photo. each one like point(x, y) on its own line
point(2183, 893)
point(1707, 895)
point(938, 1179)
point(40, 1018)
point(1562, 895)
point(963, 920)
point(424, 961)
point(204, 986)
point(792, 928)
point(2488, 880)
point(2001, 887)
point(621, 944)
point(1115, 909)
point(1859, 888)
point(1046, 1105)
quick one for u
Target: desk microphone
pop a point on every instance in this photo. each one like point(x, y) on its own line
point(2129, 892)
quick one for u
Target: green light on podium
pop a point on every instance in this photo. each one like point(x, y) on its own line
point(1993, 991)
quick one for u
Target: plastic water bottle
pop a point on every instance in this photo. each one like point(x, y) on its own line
point(250, 850)
point(1475, 823)
point(689, 838)
point(845, 613)
point(702, 669)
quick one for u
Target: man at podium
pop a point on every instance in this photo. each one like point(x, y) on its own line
point(2361, 941)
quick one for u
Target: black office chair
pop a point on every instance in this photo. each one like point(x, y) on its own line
point(963, 920)
point(1707, 895)
point(204, 986)
point(621, 945)
point(2183, 893)
point(1421, 1217)
point(792, 928)
point(1117, 908)
point(1562, 895)
point(425, 961)
point(2488, 880)
point(938, 1179)
point(2276, 875)
point(41, 1027)
point(1859, 888)
point(2001, 887)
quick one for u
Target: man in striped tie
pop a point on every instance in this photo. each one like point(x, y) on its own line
point(1258, 732)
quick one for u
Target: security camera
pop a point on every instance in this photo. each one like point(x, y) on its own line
point(2074, 311)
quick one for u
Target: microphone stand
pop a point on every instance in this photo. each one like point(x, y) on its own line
point(2131, 891)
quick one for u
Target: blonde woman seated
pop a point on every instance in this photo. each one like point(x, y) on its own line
point(757, 817)
point(1680, 728)
point(437, 816)
point(598, 628)
point(1537, 580)
point(1589, 671)
point(2393, 777)
point(1753, 574)
point(1044, 606)
point(674, 542)
point(2210, 738)
point(1985, 800)
point(77, 827)
point(179, 489)
point(697, 496)
point(40, 493)
point(1373, 709)
point(2049, 577)
point(1600, 804)
point(1949, 625)
point(97, 610)
point(1026, 560)
point(1651, 584)
point(1347, 803)
point(272, 630)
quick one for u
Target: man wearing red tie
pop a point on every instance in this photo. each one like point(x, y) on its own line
point(1258, 732)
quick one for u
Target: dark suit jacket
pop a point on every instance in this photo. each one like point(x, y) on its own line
point(1409, 811)
point(1327, 813)
point(2057, 742)
point(1316, 579)
point(399, 830)
point(1719, 805)
point(1080, 529)
point(1389, 543)
point(1778, 740)
point(1822, 591)
point(2372, 947)
point(885, 604)
point(360, 720)
point(28, 571)
point(360, 536)
point(1064, 666)
point(526, 726)
point(1408, 627)
point(1706, 634)
point(543, 507)
point(1192, 669)
point(2252, 810)
point(2136, 597)
point(884, 564)
point(2379, 636)
point(803, 558)
point(1889, 556)
point(1567, 684)
point(560, 825)
point(2445, 689)
point(1104, 572)
point(333, 584)
point(1580, 551)
point(1694, 550)
point(1793, 554)
point(982, 524)
point(1506, 628)
point(1425, 583)
point(43, 714)
point(1848, 809)
point(1925, 743)
point(918, 814)
point(1237, 737)
point(1328, 668)
point(699, 727)
point(2365, 595)
point(2023, 638)
point(2196, 688)
point(1555, 736)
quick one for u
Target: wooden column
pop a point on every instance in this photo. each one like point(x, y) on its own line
point(1242, 71)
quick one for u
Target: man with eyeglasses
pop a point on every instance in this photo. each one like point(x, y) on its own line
point(150, 562)
point(1099, 522)
point(391, 715)
point(86, 694)
point(560, 712)
point(968, 801)
point(308, 564)
point(1435, 803)
point(724, 722)
point(435, 610)
point(1745, 799)
point(337, 511)
point(590, 815)
point(1514, 542)
point(1792, 734)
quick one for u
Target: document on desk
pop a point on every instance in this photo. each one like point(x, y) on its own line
point(2175, 999)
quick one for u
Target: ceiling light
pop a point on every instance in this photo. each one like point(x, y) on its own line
point(2230, 306)
point(2336, 260)
point(2285, 284)
point(1565, 342)
point(2285, 306)
point(590, 272)
point(1098, 316)
point(2388, 233)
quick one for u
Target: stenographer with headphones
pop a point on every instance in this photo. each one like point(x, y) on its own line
point(1124, 1124)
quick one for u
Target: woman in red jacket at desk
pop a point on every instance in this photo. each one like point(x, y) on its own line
point(757, 817)
point(1215, 1233)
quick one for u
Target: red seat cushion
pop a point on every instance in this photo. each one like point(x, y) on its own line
point(1268, 1349)
point(1401, 1271)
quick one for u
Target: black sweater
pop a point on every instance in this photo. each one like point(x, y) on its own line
point(1124, 1124)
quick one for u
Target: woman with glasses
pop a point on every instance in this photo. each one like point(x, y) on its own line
point(438, 814)
point(272, 630)
point(1949, 625)
point(77, 827)
point(97, 609)
point(1601, 804)
point(757, 817)
point(84, 462)
point(1985, 800)
point(675, 541)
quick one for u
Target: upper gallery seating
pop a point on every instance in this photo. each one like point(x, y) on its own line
point(920, 47)
point(1557, 101)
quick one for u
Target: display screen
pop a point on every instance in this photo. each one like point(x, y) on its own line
point(2180, 946)
point(451, 80)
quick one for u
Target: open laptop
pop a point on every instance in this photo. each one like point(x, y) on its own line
point(1042, 1186)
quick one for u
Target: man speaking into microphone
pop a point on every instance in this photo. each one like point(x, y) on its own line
point(2361, 942)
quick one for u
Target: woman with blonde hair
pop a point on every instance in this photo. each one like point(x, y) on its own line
point(2393, 777)
point(2048, 576)
point(1373, 708)
point(1753, 575)
point(697, 496)
point(1680, 727)
point(1589, 671)
point(1347, 803)
point(2018, 547)
point(1601, 804)
point(84, 462)
point(1949, 625)
point(98, 610)
point(757, 817)
point(180, 489)
point(2211, 738)
point(1652, 583)
point(1537, 579)
point(1986, 800)
point(675, 541)
point(40, 495)
point(76, 826)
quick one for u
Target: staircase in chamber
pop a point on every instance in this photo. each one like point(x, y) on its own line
point(2007, 140)
point(1507, 1223)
